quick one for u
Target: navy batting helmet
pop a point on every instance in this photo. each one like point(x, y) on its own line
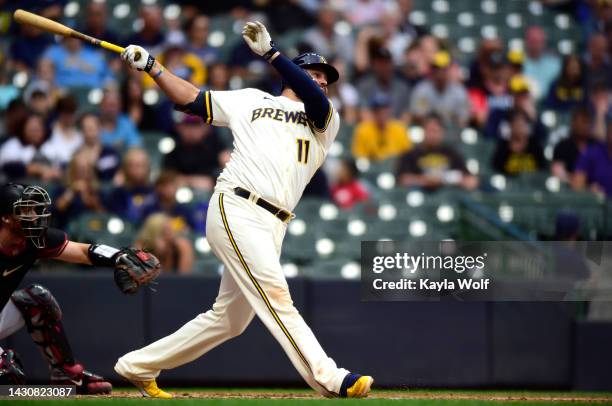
point(316, 61)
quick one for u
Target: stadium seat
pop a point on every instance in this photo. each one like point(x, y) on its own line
point(207, 265)
point(101, 228)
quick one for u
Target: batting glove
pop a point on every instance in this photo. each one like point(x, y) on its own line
point(258, 39)
point(138, 57)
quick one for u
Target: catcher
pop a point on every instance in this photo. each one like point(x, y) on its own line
point(24, 238)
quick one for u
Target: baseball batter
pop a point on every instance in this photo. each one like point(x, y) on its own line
point(279, 142)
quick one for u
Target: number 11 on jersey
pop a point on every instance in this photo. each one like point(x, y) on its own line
point(303, 149)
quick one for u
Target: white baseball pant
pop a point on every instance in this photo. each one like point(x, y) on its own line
point(11, 320)
point(248, 240)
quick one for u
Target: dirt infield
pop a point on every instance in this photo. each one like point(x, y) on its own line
point(395, 394)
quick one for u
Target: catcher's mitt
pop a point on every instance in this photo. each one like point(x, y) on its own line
point(135, 267)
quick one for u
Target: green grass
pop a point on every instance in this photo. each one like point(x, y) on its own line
point(261, 396)
point(288, 402)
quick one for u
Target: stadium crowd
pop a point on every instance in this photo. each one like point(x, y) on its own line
point(405, 97)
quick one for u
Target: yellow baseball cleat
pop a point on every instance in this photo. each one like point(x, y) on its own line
point(149, 389)
point(356, 386)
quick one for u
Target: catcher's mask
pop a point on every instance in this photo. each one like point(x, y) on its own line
point(32, 210)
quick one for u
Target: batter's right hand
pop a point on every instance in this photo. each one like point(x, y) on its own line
point(138, 57)
point(257, 37)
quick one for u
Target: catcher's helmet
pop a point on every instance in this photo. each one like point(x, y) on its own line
point(9, 194)
point(30, 204)
point(312, 60)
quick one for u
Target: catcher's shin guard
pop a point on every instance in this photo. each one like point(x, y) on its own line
point(11, 369)
point(43, 316)
point(87, 383)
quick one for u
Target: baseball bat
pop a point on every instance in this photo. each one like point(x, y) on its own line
point(45, 24)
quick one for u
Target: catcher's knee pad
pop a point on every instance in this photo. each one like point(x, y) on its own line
point(11, 369)
point(37, 306)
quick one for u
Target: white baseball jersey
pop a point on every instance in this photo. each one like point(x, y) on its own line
point(276, 148)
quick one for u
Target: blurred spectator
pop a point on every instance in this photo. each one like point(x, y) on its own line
point(521, 153)
point(184, 218)
point(245, 63)
point(598, 61)
point(250, 67)
point(482, 63)
point(386, 34)
point(541, 66)
point(118, 130)
point(394, 38)
point(197, 35)
point(80, 192)
point(601, 104)
point(27, 46)
point(440, 95)
point(348, 190)
point(382, 137)
point(15, 115)
point(44, 79)
point(493, 92)
point(567, 151)
point(65, 136)
point(432, 164)
point(175, 252)
point(199, 153)
point(96, 24)
point(218, 77)
point(594, 167)
point(430, 45)
point(599, 18)
point(76, 65)
point(383, 79)
point(180, 62)
point(343, 94)
point(150, 35)
point(324, 39)
point(568, 90)
point(498, 122)
point(415, 67)
point(363, 12)
point(406, 26)
point(141, 114)
point(105, 158)
point(20, 156)
point(38, 101)
point(133, 199)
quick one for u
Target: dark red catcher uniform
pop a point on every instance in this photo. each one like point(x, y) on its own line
point(34, 306)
